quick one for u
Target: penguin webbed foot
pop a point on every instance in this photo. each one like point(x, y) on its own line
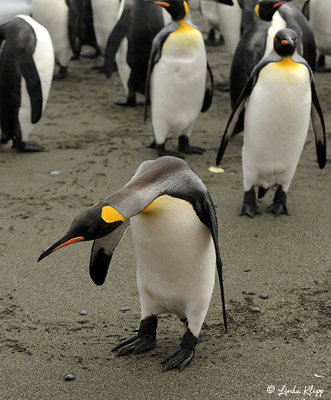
point(163, 152)
point(279, 206)
point(185, 147)
point(27, 147)
point(223, 86)
point(181, 357)
point(61, 74)
point(145, 339)
point(249, 206)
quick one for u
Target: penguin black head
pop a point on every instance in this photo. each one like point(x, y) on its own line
point(93, 223)
point(285, 42)
point(265, 9)
point(178, 9)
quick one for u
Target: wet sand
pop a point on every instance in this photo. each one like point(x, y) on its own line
point(97, 146)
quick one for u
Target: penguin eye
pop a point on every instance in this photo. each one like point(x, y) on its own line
point(90, 229)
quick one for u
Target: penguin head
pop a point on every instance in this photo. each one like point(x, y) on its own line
point(265, 9)
point(178, 9)
point(93, 223)
point(285, 42)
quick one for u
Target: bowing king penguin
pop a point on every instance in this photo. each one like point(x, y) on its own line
point(174, 230)
point(179, 82)
point(279, 99)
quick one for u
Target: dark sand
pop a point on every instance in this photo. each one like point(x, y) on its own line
point(96, 146)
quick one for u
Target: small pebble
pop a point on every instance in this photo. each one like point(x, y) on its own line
point(255, 310)
point(25, 216)
point(264, 296)
point(216, 170)
point(83, 312)
point(69, 377)
point(54, 173)
point(124, 309)
point(246, 270)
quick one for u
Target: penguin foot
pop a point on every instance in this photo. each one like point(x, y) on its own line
point(182, 357)
point(162, 151)
point(144, 340)
point(249, 206)
point(185, 147)
point(223, 86)
point(61, 74)
point(279, 205)
point(28, 147)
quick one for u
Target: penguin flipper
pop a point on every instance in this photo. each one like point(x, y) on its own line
point(210, 218)
point(318, 127)
point(155, 56)
point(33, 86)
point(102, 253)
point(116, 36)
point(237, 109)
point(209, 90)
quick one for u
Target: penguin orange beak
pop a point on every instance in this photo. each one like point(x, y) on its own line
point(284, 41)
point(63, 242)
point(160, 3)
point(280, 3)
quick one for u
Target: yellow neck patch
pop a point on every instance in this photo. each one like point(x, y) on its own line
point(286, 62)
point(109, 215)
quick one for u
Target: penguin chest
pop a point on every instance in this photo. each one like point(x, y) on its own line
point(277, 120)
point(175, 254)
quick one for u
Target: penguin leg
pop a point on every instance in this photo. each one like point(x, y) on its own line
point(185, 147)
point(249, 206)
point(131, 100)
point(321, 64)
point(61, 74)
point(144, 340)
point(181, 357)
point(279, 205)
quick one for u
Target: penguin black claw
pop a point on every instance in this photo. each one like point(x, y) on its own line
point(182, 357)
point(279, 205)
point(185, 147)
point(145, 339)
point(249, 206)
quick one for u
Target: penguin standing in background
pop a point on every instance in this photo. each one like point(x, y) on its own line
point(284, 14)
point(174, 230)
point(26, 70)
point(281, 97)
point(105, 14)
point(130, 45)
point(320, 17)
point(54, 16)
point(179, 81)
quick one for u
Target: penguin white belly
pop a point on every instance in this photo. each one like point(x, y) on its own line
point(175, 261)
point(54, 16)
point(276, 125)
point(43, 57)
point(320, 14)
point(277, 23)
point(178, 85)
point(229, 24)
point(105, 14)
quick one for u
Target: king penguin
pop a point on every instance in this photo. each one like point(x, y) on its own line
point(26, 70)
point(175, 235)
point(179, 81)
point(279, 98)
